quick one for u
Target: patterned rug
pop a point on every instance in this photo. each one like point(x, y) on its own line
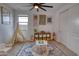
point(27, 51)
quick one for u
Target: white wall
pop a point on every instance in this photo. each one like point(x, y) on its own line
point(48, 27)
point(27, 34)
point(6, 31)
point(68, 27)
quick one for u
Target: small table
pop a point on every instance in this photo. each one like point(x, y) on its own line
point(40, 50)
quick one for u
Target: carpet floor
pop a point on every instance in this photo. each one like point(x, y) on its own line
point(27, 51)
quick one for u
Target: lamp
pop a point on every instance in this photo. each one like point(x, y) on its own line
point(36, 6)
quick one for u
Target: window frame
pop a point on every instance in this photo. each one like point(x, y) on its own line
point(23, 22)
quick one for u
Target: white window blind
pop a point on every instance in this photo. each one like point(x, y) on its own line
point(23, 22)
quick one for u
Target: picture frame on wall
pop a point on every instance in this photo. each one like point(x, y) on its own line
point(49, 20)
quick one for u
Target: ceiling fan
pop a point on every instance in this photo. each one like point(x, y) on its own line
point(38, 6)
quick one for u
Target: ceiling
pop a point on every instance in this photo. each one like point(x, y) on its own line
point(24, 6)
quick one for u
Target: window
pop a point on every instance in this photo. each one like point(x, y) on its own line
point(6, 19)
point(23, 22)
point(4, 15)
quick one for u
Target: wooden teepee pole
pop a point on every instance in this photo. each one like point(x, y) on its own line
point(15, 36)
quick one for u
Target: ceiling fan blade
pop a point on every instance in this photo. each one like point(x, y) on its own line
point(43, 9)
point(47, 6)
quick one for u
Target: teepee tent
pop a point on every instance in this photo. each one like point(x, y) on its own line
point(17, 37)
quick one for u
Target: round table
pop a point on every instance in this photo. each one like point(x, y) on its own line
point(40, 50)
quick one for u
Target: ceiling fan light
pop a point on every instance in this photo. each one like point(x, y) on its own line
point(36, 7)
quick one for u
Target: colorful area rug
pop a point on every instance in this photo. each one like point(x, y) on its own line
point(27, 51)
